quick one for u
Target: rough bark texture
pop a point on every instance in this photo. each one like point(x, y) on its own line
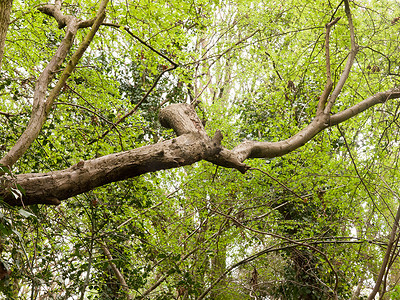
point(191, 145)
point(5, 11)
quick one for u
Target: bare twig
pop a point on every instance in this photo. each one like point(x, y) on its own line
point(358, 173)
point(85, 108)
point(8, 115)
point(141, 41)
point(132, 111)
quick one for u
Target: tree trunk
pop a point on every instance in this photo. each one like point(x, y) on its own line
point(5, 11)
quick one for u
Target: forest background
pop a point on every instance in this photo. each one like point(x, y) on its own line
point(199, 149)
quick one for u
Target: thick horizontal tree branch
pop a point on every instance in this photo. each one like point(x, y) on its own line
point(191, 145)
point(50, 188)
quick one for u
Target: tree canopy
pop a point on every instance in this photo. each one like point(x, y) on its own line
point(199, 149)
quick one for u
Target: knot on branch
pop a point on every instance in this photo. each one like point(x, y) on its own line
point(333, 22)
point(217, 138)
point(55, 12)
point(182, 118)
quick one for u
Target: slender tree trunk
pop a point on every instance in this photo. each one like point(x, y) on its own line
point(5, 11)
point(384, 269)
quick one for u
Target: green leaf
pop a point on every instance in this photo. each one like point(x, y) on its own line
point(25, 213)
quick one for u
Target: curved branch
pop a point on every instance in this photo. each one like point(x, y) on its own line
point(126, 28)
point(350, 112)
point(54, 10)
point(41, 105)
point(252, 149)
point(192, 145)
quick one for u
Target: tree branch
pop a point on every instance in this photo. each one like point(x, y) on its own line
point(41, 106)
point(133, 110)
point(329, 83)
point(349, 63)
point(191, 145)
point(350, 112)
point(5, 11)
point(117, 273)
point(253, 149)
point(384, 267)
point(54, 10)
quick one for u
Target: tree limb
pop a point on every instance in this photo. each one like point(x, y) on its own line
point(350, 60)
point(329, 83)
point(253, 149)
point(117, 273)
point(191, 145)
point(41, 105)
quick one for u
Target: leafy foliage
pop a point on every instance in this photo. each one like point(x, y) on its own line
point(312, 224)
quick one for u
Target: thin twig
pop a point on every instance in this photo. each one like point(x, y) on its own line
point(84, 108)
point(163, 278)
point(132, 111)
point(141, 41)
point(358, 173)
point(8, 115)
point(280, 183)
